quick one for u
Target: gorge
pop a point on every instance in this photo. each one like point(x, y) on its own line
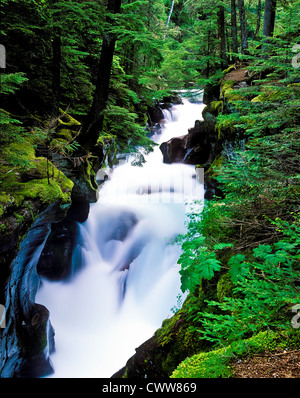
point(124, 280)
point(128, 279)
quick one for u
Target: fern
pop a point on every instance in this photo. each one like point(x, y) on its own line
point(266, 287)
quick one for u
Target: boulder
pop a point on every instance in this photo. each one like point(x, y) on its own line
point(192, 148)
point(155, 114)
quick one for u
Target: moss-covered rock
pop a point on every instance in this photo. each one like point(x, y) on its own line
point(226, 88)
point(28, 185)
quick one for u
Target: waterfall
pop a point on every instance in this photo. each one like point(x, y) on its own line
point(129, 278)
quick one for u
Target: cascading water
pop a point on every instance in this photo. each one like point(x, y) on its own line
point(128, 280)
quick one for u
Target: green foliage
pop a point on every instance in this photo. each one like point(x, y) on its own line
point(12, 82)
point(257, 273)
point(218, 363)
point(266, 287)
point(11, 127)
point(197, 262)
point(122, 124)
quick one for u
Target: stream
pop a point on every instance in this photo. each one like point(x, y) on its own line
point(126, 278)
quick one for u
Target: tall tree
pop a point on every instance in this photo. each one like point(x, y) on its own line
point(222, 36)
point(169, 17)
point(243, 23)
point(56, 65)
point(258, 18)
point(269, 17)
point(94, 120)
point(234, 27)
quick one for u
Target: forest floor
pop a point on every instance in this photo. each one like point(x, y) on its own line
point(281, 364)
point(239, 74)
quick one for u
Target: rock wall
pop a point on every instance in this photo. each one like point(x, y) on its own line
point(40, 208)
point(27, 339)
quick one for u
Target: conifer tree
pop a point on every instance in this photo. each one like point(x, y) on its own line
point(222, 37)
point(269, 17)
point(94, 120)
point(234, 27)
point(243, 24)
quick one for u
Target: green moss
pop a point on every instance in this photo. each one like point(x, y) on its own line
point(27, 178)
point(271, 94)
point(176, 338)
point(216, 106)
point(46, 192)
point(4, 201)
point(226, 86)
point(217, 363)
point(19, 154)
point(229, 69)
point(65, 134)
point(213, 169)
point(224, 287)
point(67, 120)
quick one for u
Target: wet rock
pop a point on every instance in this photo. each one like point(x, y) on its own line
point(25, 339)
point(155, 114)
point(192, 148)
point(145, 363)
point(55, 262)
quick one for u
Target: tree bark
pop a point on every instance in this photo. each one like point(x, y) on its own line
point(244, 40)
point(222, 37)
point(269, 18)
point(56, 60)
point(234, 28)
point(56, 64)
point(258, 18)
point(94, 120)
point(168, 19)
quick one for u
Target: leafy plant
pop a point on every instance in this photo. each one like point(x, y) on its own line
point(266, 287)
point(197, 262)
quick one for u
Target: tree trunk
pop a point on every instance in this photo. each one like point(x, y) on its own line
point(169, 17)
point(208, 53)
point(94, 120)
point(244, 41)
point(56, 63)
point(222, 38)
point(56, 59)
point(258, 18)
point(234, 28)
point(269, 18)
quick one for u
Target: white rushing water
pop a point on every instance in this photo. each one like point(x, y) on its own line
point(129, 280)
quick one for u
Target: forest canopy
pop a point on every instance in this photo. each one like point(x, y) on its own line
point(53, 52)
